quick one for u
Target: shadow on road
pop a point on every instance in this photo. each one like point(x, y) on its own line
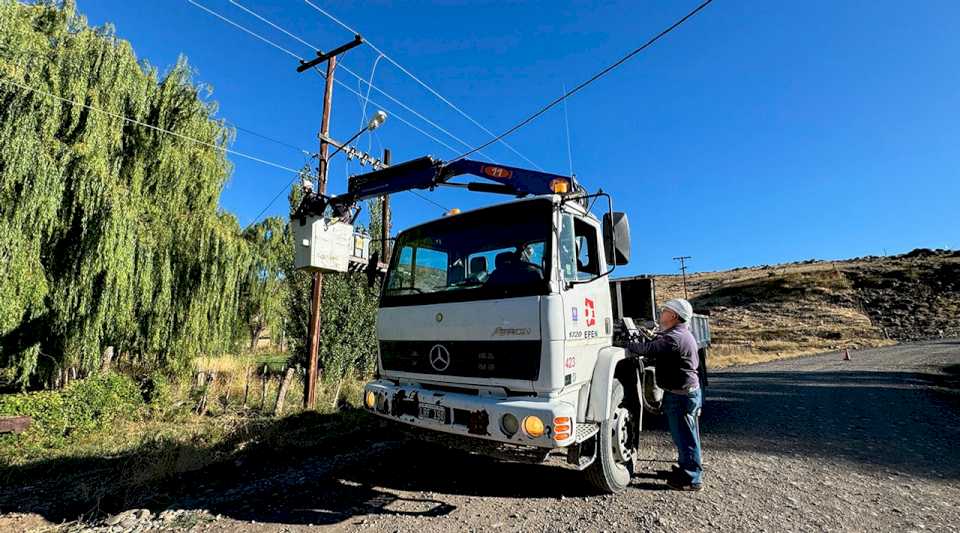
point(907, 422)
point(328, 469)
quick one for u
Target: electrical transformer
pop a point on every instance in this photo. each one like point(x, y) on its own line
point(328, 245)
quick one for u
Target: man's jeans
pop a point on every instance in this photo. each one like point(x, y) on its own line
point(682, 411)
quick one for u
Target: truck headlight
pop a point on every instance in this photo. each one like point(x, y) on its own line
point(509, 425)
point(533, 426)
point(370, 399)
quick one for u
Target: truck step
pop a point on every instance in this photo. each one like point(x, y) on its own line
point(586, 430)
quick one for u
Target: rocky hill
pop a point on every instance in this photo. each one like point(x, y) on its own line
point(773, 311)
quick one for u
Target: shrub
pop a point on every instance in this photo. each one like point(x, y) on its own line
point(80, 408)
point(157, 391)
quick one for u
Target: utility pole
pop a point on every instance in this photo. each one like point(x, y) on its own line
point(385, 214)
point(310, 394)
point(683, 269)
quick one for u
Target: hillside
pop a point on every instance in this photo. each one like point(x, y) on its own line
point(773, 311)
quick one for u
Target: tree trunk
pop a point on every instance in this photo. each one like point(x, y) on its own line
point(106, 359)
point(256, 330)
point(287, 377)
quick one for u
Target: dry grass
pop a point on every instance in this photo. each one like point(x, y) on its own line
point(725, 355)
point(225, 364)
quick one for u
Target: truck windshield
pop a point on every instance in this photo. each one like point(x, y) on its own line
point(498, 252)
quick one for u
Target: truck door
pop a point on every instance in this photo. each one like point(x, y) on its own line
point(586, 299)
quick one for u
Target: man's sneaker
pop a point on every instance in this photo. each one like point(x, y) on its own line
point(677, 484)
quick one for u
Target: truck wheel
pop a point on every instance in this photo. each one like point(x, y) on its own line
point(613, 468)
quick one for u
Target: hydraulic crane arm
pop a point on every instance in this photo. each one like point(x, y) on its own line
point(428, 173)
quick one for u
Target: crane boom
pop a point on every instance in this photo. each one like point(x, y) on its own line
point(428, 173)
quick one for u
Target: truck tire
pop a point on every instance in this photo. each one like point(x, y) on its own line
point(611, 472)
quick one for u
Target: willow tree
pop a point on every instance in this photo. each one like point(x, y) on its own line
point(265, 287)
point(110, 234)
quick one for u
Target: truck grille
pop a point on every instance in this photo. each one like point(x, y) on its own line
point(476, 359)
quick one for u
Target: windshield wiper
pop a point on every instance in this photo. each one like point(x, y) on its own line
point(419, 290)
point(467, 283)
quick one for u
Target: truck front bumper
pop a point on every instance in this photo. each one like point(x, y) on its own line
point(497, 418)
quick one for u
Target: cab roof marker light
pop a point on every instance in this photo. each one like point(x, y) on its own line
point(560, 186)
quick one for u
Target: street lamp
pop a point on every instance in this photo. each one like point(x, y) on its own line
point(378, 119)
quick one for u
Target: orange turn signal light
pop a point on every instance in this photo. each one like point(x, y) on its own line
point(561, 420)
point(562, 429)
point(559, 186)
point(561, 436)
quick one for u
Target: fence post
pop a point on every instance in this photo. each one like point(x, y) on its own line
point(287, 377)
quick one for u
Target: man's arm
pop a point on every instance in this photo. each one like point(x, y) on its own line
point(663, 344)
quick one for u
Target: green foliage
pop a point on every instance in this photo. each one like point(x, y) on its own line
point(157, 391)
point(265, 289)
point(348, 314)
point(80, 408)
point(110, 233)
point(348, 325)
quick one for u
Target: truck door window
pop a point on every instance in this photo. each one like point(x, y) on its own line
point(587, 264)
point(404, 270)
point(578, 249)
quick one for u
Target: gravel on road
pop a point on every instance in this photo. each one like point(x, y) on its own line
point(809, 444)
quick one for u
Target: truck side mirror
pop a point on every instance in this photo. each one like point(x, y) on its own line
point(616, 238)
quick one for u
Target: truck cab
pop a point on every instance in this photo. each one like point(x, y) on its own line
point(496, 324)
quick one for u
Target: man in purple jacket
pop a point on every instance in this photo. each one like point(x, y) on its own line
point(675, 352)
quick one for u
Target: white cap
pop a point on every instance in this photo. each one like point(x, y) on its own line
point(681, 307)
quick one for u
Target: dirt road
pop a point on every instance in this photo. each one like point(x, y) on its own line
point(807, 444)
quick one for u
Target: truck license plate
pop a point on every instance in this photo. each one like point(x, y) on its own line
point(433, 413)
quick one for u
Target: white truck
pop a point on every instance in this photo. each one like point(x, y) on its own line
point(501, 326)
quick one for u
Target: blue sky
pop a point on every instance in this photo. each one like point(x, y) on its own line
point(758, 132)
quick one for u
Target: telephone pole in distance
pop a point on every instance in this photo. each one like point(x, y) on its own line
point(683, 269)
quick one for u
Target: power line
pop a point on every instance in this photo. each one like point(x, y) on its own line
point(347, 87)
point(596, 76)
point(257, 15)
point(151, 126)
point(392, 114)
point(271, 139)
point(231, 124)
point(422, 197)
point(241, 28)
point(340, 65)
point(274, 199)
point(288, 52)
point(427, 87)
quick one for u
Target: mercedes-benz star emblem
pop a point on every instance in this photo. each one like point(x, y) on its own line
point(439, 357)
